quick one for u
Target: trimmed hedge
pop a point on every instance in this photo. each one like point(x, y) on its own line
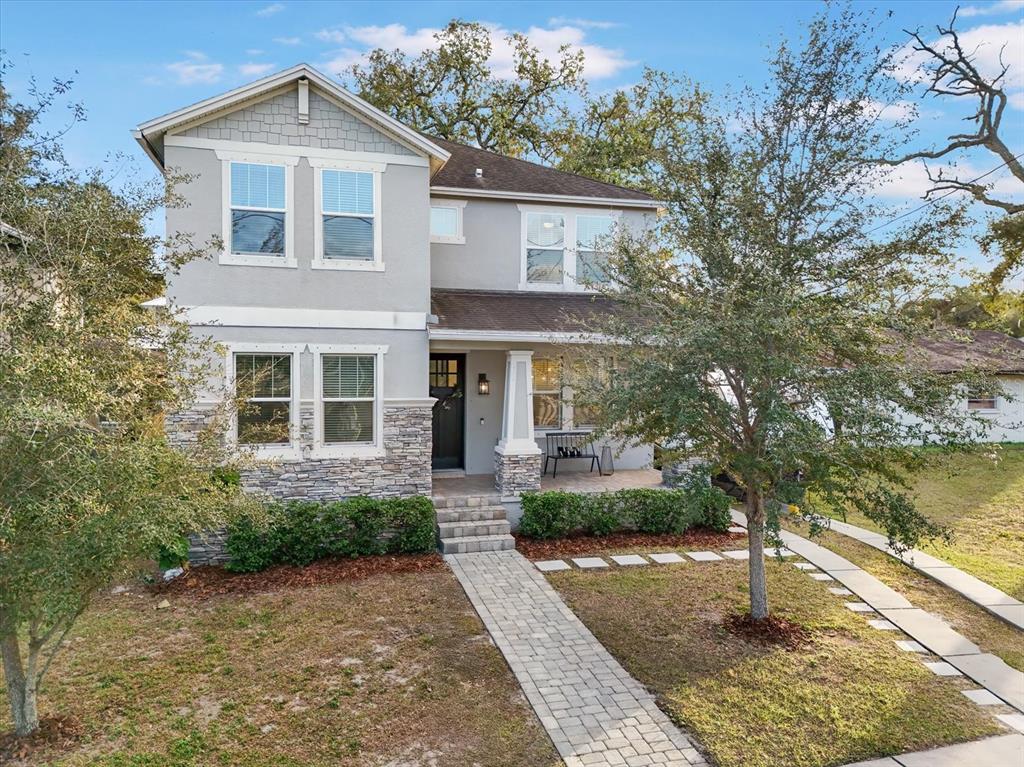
point(557, 514)
point(301, 532)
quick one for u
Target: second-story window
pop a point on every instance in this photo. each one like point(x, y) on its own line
point(348, 215)
point(257, 209)
point(446, 221)
point(545, 248)
point(593, 238)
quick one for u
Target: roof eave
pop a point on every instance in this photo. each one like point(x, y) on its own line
point(618, 202)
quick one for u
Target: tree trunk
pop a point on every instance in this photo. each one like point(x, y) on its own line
point(755, 547)
point(21, 687)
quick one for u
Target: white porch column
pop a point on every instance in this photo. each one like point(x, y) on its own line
point(517, 457)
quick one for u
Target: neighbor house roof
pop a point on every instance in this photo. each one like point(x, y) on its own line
point(505, 314)
point(954, 350)
point(508, 176)
point(150, 133)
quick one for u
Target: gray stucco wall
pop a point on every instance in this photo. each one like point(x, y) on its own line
point(405, 227)
point(276, 121)
point(490, 258)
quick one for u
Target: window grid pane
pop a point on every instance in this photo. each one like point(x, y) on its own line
point(348, 376)
point(444, 222)
point(593, 231)
point(265, 381)
point(348, 237)
point(346, 191)
point(257, 233)
point(348, 388)
point(257, 186)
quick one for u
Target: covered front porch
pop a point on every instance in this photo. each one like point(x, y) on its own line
point(576, 482)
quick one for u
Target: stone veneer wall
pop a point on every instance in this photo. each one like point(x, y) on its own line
point(515, 474)
point(671, 473)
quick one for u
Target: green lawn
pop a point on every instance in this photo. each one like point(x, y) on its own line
point(980, 497)
point(848, 695)
point(392, 669)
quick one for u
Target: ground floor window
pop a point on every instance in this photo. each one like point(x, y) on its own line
point(980, 400)
point(264, 384)
point(349, 398)
point(547, 393)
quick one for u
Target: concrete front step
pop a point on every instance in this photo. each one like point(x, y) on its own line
point(477, 543)
point(464, 501)
point(465, 529)
point(474, 514)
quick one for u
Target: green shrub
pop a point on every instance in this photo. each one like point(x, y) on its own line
point(708, 504)
point(600, 513)
point(553, 514)
point(657, 511)
point(173, 554)
point(301, 532)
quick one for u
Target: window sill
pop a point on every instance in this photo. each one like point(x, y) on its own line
point(348, 265)
point(570, 287)
point(274, 452)
point(348, 451)
point(443, 240)
point(281, 262)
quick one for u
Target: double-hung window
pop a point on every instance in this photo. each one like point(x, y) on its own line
point(593, 238)
point(264, 384)
point(981, 400)
point(547, 393)
point(258, 210)
point(349, 400)
point(545, 248)
point(348, 225)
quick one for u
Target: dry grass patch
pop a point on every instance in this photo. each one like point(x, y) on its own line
point(387, 670)
point(847, 694)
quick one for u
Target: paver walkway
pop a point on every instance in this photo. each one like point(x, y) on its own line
point(982, 594)
point(594, 711)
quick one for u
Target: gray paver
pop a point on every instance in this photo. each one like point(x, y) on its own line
point(552, 565)
point(737, 554)
point(932, 632)
point(821, 576)
point(1016, 721)
point(941, 668)
point(887, 762)
point(858, 607)
point(982, 697)
point(991, 672)
point(804, 566)
point(589, 563)
point(703, 556)
point(591, 707)
point(882, 625)
point(1001, 751)
point(1011, 613)
point(780, 552)
point(629, 560)
point(909, 645)
point(667, 558)
point(840, 591)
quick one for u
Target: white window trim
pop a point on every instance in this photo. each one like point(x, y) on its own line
point(321, 450)
point(293, 450)
point(568, 284)
point(982, 410)
point(319, 165)
point(228, 258)
point(459, 238)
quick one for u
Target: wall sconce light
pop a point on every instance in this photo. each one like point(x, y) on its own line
point(483, 386)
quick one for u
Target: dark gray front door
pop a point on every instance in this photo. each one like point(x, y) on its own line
point(448, 385)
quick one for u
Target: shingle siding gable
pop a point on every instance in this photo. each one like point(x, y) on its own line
point(276, 121)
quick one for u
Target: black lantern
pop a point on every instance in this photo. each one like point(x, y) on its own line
point(483, 386)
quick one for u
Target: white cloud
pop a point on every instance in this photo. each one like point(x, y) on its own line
point(1003, 6)
point(252, 69)
point(254, 52)
point(330, 35)
point(271, 9)
point(599, 61)
point(287, 40)
point(195, 68)
point(910, 180)
point(897, 110)
point(990, 46)
point(559, 21)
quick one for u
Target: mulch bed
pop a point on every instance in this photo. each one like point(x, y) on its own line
point(58, 733)
point(214, 581)
point(772, 630)
point(558, 548)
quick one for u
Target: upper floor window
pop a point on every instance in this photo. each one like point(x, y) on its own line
point(258, 209)
point(593, 238)
point(348, 215)
point(446, 221)
point(545, 248)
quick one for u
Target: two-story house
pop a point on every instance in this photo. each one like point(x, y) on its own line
point(401, 304)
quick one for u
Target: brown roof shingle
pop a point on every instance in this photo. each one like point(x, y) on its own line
point(955, 350)
point(507, 174)
point(494, 310)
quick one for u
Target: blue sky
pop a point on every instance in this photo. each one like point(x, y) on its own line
point(135, 61)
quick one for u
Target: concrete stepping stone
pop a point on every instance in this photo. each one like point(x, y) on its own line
point(737, 554)
point(840, 592)
point(552, 565)
point(589, 563)
point(858, 607)
point(941, 668)
point(703, 556)
point(886, 762)
point(992, 672)
point(931, 631)
point(1016, 721)
point(669, 558)
point(982, 697)
point(909, 645)
point(629, 560)
point(882, 625)
point(737, 529)
point(821, 576)
point(871, 590)
point(804, 566)
point(1012, 613)
point(783, 552)
point(1000, 751)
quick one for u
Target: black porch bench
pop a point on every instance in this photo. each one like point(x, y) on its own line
point(569, 445)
